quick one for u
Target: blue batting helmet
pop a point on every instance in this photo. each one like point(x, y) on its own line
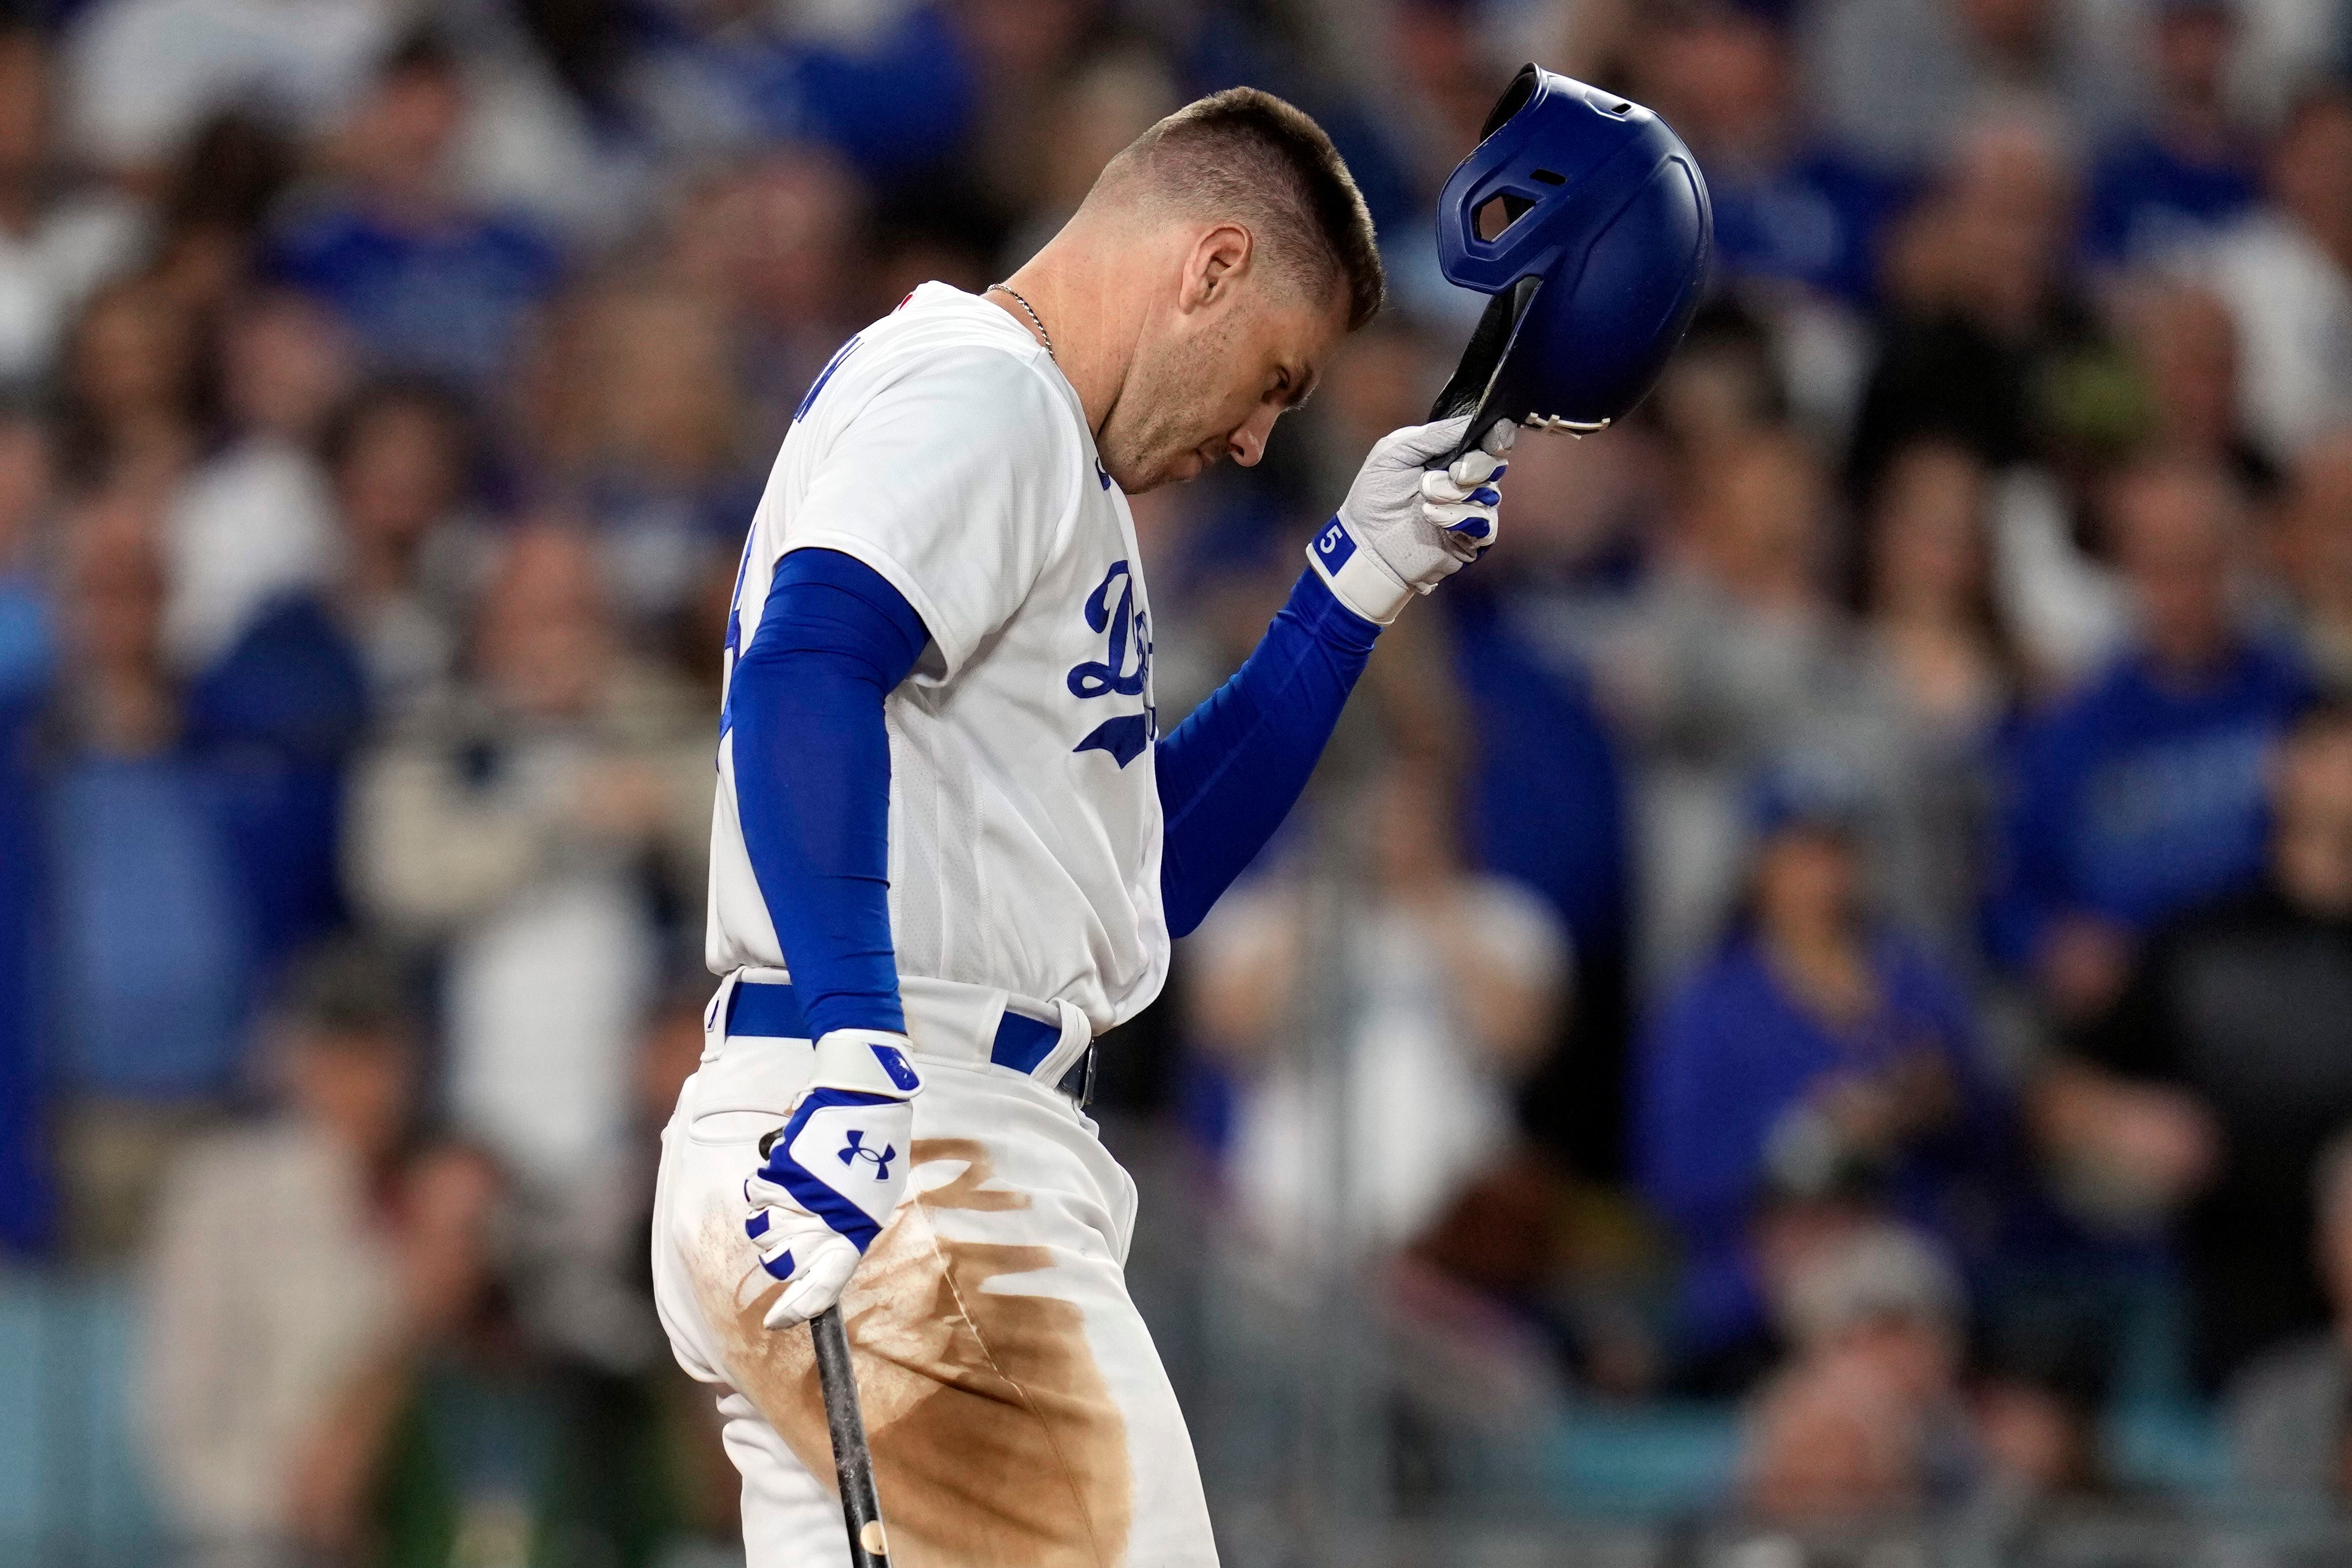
point(1587, 219)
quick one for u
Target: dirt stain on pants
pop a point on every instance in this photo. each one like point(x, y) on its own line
point(996, 1440)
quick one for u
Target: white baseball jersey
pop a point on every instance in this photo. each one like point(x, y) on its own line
point(943, 448)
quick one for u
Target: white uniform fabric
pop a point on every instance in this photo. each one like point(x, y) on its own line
point(1016, 1408)
point(944, 450)
point(1017, 1411)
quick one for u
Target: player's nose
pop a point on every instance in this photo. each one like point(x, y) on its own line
point(1249, 443)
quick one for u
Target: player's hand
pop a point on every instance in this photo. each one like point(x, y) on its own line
point(1421, 525)
point(834, 1170)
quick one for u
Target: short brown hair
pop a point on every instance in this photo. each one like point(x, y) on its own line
point(1247, 155)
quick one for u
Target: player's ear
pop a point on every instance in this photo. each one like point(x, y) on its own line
point(1219, 260)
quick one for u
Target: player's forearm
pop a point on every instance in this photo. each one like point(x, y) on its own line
point(811, 762)
point(1232, 770)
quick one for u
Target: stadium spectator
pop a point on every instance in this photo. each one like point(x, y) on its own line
point(663, 466)
point(2186, 344)
point(426, 281)
point(139, 859)
point(1983, 315)
point(251, 523)
point(2286, 1413)
point(1461, 974)
point(555, 130)
point(131, 414)
point(210, 217)
point(763, 240)
point(142, 74)
point(1940, 645)
point(57, 243)
point(2190, 169)
point(1728, 653)
point(2312, 542)
point(1790, 204)
point(889, 86)
point(2212, 1087)
point(2142, 794)
point(1546, 806)
point(1818, 1066)
point(195, 822)
point(1930, 607)
point(398, 460)
point(456, 1438)
point(1722, 390)
point(1901, 80)
point(532, 820)
point(1867, 1419)
point(271, 1268)
point(2282, 271)
point(27, 664)
point(591, 1285)
point(277, 699)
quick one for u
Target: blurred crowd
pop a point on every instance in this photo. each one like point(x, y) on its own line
point(1847, 914)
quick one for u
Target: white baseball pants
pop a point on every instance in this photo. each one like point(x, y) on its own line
point(1017, 1411)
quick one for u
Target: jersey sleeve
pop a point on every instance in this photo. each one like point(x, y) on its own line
point(954, 479)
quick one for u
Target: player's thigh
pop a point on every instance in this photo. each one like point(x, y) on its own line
point(1054, 1401)
point(790, 1518)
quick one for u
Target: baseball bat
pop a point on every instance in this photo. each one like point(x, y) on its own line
point(852, 1461)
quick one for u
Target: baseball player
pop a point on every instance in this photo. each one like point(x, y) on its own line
point(951, 843)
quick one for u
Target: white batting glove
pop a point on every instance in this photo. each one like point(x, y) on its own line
point(834, 1172)
point(1403, 528)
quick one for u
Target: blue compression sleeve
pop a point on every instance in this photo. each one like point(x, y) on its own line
point(812, 778)
point(1232, 770)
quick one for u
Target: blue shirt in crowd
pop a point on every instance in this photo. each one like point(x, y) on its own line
point(181, 880)
point(154, 943)
point(1731, 1053)
point(275, 721)
point(1547, 793)
point(2139, 795)
point(26, 659)
point(1814, 219)
point(2147, 198)
point(443, 299)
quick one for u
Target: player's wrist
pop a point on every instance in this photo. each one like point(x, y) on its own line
point(1355, 572)
point(867, 1061)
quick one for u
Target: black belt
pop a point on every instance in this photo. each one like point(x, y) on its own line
point(769, 1007)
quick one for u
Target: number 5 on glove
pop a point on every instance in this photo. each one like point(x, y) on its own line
point(831, 1175)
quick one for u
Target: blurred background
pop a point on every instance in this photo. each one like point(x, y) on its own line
point(1807, 1019)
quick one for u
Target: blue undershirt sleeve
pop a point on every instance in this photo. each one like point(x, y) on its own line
point(812, 778)
point(1232, 770)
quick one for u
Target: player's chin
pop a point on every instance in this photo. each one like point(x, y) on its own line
point(1141, 477)
point(1168, 467)
point(1193, 464)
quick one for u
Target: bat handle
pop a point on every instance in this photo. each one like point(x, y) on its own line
point(852, 1461)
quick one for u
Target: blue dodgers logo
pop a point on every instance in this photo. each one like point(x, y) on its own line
point(1130, 637)
point(856, 1151)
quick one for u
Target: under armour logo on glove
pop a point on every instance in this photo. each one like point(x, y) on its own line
point(812, 1211)
point(856, 1151)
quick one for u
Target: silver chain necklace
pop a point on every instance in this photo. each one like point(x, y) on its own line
point(1043, 336)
